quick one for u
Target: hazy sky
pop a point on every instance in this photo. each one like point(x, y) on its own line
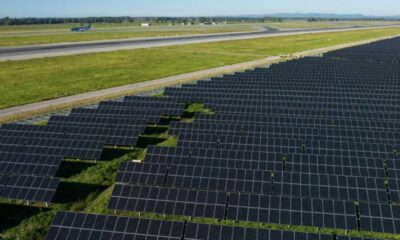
point(77, 8)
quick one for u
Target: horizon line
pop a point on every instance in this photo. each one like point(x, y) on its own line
point(231, 16)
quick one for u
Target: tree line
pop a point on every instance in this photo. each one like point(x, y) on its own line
point(172, 20)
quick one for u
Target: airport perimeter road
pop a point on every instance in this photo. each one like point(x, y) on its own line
point(52, 50)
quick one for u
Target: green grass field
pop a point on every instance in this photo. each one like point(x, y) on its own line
point(35, 80)
point(59, 33)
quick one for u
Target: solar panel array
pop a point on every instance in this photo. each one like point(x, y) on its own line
point(30, 155)
point(309, 142)
point(76, 226)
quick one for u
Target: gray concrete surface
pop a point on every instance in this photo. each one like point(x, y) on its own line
point(52, 50)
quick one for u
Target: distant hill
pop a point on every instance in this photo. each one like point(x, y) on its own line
point(394, 17)
point(321, 15)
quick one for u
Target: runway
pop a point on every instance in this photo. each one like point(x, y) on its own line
point(53, 50)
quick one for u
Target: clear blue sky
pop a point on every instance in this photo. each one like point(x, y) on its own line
point(78, 8)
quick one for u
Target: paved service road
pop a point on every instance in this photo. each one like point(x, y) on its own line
point(39, 51)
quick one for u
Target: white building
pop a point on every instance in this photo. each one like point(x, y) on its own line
point(145, 24)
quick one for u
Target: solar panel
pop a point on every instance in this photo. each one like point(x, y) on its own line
point(330, 187)
point(3, 182)
point(30, 188)
point(214, 232)
point(195, 177)
point(287, 145)
point(126, 136)
point(27, 164)
point(273, 131)
point(170, 201)
point(100, 121)
point(292, 211)
point(380, 217)
point(70, 225)
point(302, 163)
point(166, 108)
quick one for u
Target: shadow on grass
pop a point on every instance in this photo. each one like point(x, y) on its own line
point(114, 153)
point(70, 192)
point(70, 168)
point(146, 141)
point(188, 115)
point(166, 120)
point(155, 130)
point(12, 215)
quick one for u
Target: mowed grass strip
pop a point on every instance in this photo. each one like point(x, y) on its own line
point(23, 82)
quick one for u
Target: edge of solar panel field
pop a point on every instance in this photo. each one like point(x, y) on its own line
point(304, 149)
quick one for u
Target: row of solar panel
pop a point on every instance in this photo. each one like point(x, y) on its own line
point(151, 115)
point(272, 87)
point(329, 70)
point(324, 65)
point(236, 81)
point(304, 164)
point(338, 66)
point(201, 95)
point(323, 164)
point(257, 181)
point(385, 48)
point(328, 90)
point(223, 98)
point(302, 71)
point(277, 131)
point(310, 100)
point(339, 63)
point(27, 164)
point(29, 188)
point(258, 90)
point(286, 210)
point(165, 109)
point(351, 104)
point(304, 112)
point(110, 136)
point(288, 145)
point(276, 128)
point(75, 226)
point(261, 120)
point(96, 121)
point(364, 81)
